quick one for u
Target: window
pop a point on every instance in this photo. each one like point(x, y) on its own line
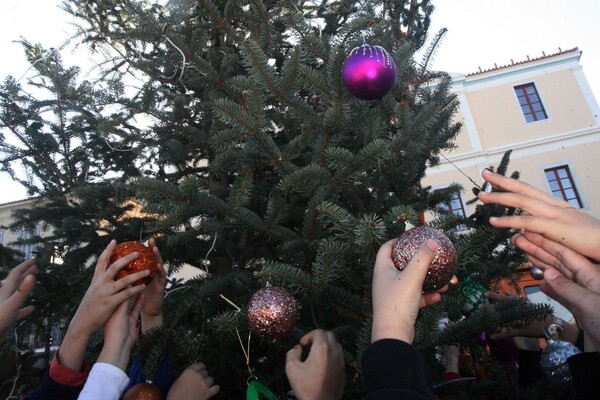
point(28, 250)
point(562, 185)
point(530, 102)
point(455, 205)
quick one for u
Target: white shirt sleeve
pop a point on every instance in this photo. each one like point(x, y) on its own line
point(105, 382)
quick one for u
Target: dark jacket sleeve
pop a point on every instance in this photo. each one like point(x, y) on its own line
point(585, 370)
point(393, 369)
point(52, 390)
point(530, 367)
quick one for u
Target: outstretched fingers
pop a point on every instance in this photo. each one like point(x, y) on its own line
point(570, 263)
point(114, 268)
point(515, 186)
point(534, 251)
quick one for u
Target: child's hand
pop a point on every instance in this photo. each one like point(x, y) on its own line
point(120, 332)
point(546, 215)
point(154, 294)
point(17, 286)
point(104, 293)
point(194, 383)
point(321, 375)
point(397, 295)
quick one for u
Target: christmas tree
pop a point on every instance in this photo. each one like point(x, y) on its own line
point(226, 130)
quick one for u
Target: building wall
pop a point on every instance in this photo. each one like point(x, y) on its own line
point(7, 236)
point(500, 120)
point(493, 123)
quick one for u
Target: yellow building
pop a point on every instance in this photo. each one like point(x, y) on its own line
point(8, 237)
point(544, 110)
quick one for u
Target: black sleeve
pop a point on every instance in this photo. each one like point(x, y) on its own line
point(530, 368)
point(393, 370)
point(585, 370)
point(51, 390)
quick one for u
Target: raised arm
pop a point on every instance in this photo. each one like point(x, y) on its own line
point(99, 302)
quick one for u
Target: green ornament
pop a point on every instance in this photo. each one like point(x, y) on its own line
point(474, 292)
point(255, 389)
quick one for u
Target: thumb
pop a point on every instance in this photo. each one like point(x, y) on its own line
point(416, 270)
point(294, 354)
point(564, 290)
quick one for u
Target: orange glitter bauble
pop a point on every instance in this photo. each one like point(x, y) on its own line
point(143, 391)
point(145, 260)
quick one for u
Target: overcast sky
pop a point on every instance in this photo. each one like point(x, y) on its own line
point(480, 33)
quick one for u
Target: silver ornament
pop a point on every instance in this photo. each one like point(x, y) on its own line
point(554, 360)
point(536, 273)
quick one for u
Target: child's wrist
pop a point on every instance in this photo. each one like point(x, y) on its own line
point(117, 356)
point(398, 332)
point(78, 328)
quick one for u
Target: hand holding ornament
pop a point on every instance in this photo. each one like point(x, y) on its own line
point(397, 295)
point(102, 297)
point(154, 293)
point(16, 288)
point(321, 375)
point(105, 294)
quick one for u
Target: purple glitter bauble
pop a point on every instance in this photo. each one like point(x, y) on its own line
point(443, 266)
point(272, 313)
point(369, 72)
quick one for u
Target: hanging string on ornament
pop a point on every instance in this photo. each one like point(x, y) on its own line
point(245, 350)
point(255, 388)
point(462, 172)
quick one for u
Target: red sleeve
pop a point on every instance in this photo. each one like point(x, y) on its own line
point(452, 375)
point(67, 376)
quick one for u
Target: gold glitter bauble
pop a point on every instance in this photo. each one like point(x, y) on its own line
point(443, 266)
point(272, 313)
point(143, 391)
point(145, 260)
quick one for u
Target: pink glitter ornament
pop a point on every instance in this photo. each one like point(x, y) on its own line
point(369, 72)
point(272, 313)
point(443, 266)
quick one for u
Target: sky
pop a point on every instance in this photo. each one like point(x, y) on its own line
point(481, 33)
